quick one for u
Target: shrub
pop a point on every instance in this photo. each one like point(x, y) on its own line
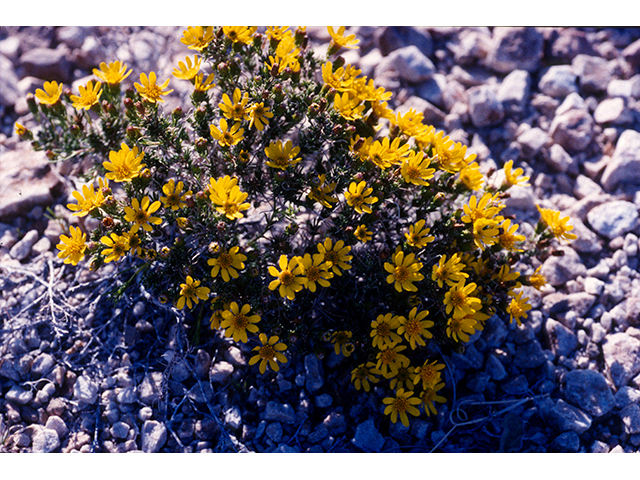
point(290, 207)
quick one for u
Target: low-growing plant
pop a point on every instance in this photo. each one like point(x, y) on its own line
point(290, 207)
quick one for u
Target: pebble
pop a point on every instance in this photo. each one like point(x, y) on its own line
point(85, 390)
point(563, 341)
point(558, 81)
point(612, 111)
point(593, 73)
point(153, 436)
point(119, 430)
point(630, 416)
point(624, 166)
point(516, 47)
point(573, 130)
point(409, 63)
point(279, 412)
point(44, 440)
point(367, 437)
point(19, 395)
point(564, 416)
point(22, 248)
point(314, 373)
point(484, 107)
point(589, 391)
point(567, 442)
point(57, 424)
point(220, 372)
point(622, 357)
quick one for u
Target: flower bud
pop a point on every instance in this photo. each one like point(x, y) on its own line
point(339, 62)
point(213, 248)
point(128, 103)
point(177, 113)
point(221, 226)
point(275, 70)
point(165, 252)
point(50, 154)
point(140, 107)
point(190, 201)
point(223, 68)
point(31, 103)
point(108, 223)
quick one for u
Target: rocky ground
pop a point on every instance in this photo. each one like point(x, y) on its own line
point(80, 373)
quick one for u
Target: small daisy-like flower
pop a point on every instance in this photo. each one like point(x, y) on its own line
point(135, 244)
point(235, 108)
point(188, 70)
point(197, 38)
point(460, 328)
point(282, 156)
point(21, 130)
point(508, 238)
point(113, 73)
point(459, 301)
point(471, 176)
point(191, 293)
point(348, 106)
point(237, 322)
point(88, 200)
point(404, 271)
point(339, 40)
point(448, 271)
point(216, 319)
point(418, 236)
point(140, 214)
point(227, 196)
point(227, 263)
point(363, 374)
point(259, 116)
point(415, 327)
point(390, 359)
point(411, 122)
point(149, 90)
point(415, 169)
point(118, 245)
point(89, 96)
point(558, 226)
point(239, 34)
point(487, 207)
point(269, 353)
point(514, 177)
point(314, 271)
point(518, 307)
point(383, 331)
point(362, 233)
point(336, 255)
point(429, 397)
point(124, 165)
point(51, 93)
point(174, 198)
point(537, 280)
point(320, 192)
point(403, 378)
point(227, 136)
point(358, 196)
point(202, 83)
point(340, 340)
point(429, 374)
point(402, 404)
point(288, 279)
point(72, 248)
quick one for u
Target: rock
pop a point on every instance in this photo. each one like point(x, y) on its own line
point(593, 73)
point(529, 355)
point(514, 91)
point(314, 373)
point(233, 417)
point(394, 37)
point(626, 395)
point(516, 48)
point(573, 129)
point(19, 395)
point(624, 166)
point(85, 390)
point(622, 357)
point(42, 365)
point(150, 389)
point(484, 107)
point(494, 368)
point(119, 430)
point(58, 424)
point(154, 436)
point(336, 424)
point(368, 438)
point(560, 160)
point(74, 36)
point(579, 302)
point(630, 416)
point(201, 364)
point(624, 88)
point(278, 412)
point(587, 241)
point(559, 270)
point(323, 401)
point(274, 431)
point(600, 447)
point(473, 45)
point(567, 442)
point(573, 101)
point(47, 64)
point(566, 43)
point(220, 372)
point(22, 248)
point(9, 92)
point(318, 434)
point(631, 54)
point(532, 141)
point(613, 111)
point(44, 440)
point(558, 81)
point(561, 339)
point(613, 219)
point(563, 416)
point(589, 391)
point(409, 63)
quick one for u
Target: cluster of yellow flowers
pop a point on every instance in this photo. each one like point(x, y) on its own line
point(275, 181)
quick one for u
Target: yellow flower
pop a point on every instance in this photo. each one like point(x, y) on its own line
point(486, 232)
point(149, 90)
point(259, 115)
point(140, 214)
point(415, 169)
point(382, 331)
point(429, 374)
point(385, 153)
point(342, 79)
point(362, 233)
point(135, 244)
point(72, 248)
point(189, 70)
point(418, 236)
point(124, 165)
point(240, 34)
point(216, 319)
point(277, 33)
point(227, 136)
point(390, 359)
point(339, 40)
point(336, 255)
point(518, 307)
point(87, 201)
point(236, 109)
point(118, 245)
point(202, 84)
point(270, 353)
point(537, 280)
point(341, 340)
point(459, 300)
point(506, 275)
point(89, 96)
point(429, 397)
point(320, 192)
point(226, 263)
point(460, 328)
point(191, 291)
point(288, 279)
point(486, 207)
point(363, 374)
point(237, 323)
point(282, 156)
point(197, 38)
point(227, 196)
point(449, 271)
point(558, 226)
point(508, 238)
point(21, 130)
point(112, 74)
point(471, 176)
point(411, 123)
point(348, 106)
point(415, 327)
point(51, 93)
point(403, 378)
point(450, 155)
point(314, 271)
point(402, 404)
point(404, 271)
point(358, 196)
point(514, 177)
point(174, 198)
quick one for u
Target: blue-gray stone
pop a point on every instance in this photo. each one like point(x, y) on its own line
point(368, 438)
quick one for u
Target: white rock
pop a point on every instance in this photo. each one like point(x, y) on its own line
point(624, 165)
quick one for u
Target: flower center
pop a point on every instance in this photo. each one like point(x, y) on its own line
point(458, 299)
point(313, 274)
point(413, 172)
point(189, 291)
point(240, 321)
point(400, 404)
point(401, 273)
point(388, 356)
point(267, 352)
point(413, 327)
point(383, 330)
point(286, 278)
point(357, 200)
point(173, 199)
point(141, 216)
point(225, 260)
point(331, 257)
